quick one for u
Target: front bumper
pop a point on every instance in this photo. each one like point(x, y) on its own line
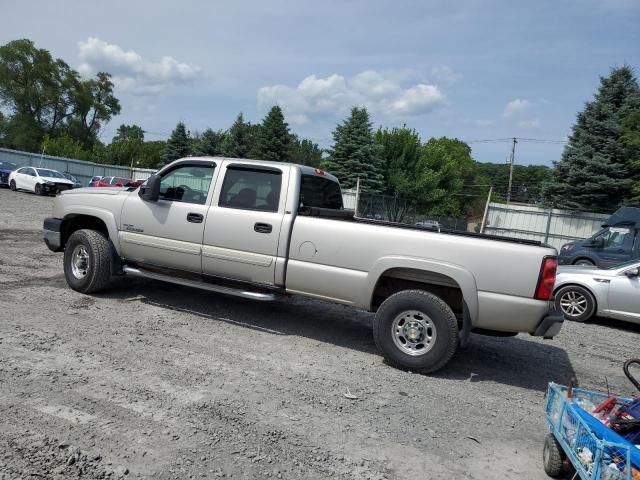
point(51, 233)
point(49, 188)
point(550, 324)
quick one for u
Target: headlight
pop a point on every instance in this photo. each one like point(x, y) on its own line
point(567, 248)
point(47, 182)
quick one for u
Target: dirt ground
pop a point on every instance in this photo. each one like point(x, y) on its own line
point(154, 380)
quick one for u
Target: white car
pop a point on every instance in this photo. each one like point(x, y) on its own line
point(41, 181)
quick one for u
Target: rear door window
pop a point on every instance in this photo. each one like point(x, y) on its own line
point(251, 189)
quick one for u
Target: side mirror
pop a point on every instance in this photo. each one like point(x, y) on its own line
point(150, 191)
point(598, 242)
point(633, 272)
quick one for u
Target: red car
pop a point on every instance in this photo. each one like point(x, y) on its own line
point(115, 182)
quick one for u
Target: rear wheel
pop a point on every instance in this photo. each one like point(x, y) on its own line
point(552, 456)
point(584, 262)
point(416, 330)
point(576, 303)
point(12, 185)
point(87, 261)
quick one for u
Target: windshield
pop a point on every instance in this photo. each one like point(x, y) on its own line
point(8, 165)
point(43, 172)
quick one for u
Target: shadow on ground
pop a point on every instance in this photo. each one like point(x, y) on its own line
point(512, 360)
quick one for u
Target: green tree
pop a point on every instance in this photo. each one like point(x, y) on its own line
point(273, 141)
point(209, 143)
point(400, 151)
point(355, 154)
point(178, 145)
point(631, 139)
point(596, 171)
point(440, 174)
point(44, 96)
point(151, 154)
point(66, 147)
point(125, 146)
point(305, 152)
point(527, 181)
point(240, 141)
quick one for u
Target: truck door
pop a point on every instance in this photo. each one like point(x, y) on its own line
point(168, 232)
point(624, 296)
point(243, 225)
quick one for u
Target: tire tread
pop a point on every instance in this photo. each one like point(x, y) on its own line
point(100, 272)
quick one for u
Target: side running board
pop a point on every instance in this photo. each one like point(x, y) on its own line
point(136, 272)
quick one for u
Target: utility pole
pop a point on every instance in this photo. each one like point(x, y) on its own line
point(512, 161)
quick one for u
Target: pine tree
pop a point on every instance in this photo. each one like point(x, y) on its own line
point(209, 143)
point(305, 152)
point(274, 140)
point(355, 154)
point(178, 145)
point(596, 171)
point(240, 139)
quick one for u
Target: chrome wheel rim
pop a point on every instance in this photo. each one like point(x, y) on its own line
point(413, 332)
point(80, 262)
point(573, 304)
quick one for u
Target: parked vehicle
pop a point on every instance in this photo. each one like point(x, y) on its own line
point(429, 224)
point(93, 180)
point(258, 229)
point(41, 181)
point(614, 292)
point(76, 183)
point(5, 169)
point(116, 182)
point(617, 242)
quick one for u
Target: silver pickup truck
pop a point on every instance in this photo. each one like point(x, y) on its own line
point(260, 229)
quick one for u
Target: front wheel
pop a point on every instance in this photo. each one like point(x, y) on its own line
point(584, 262)
point(576, 303)
point(12, 185)
point(38, 189)
point(416, 330)
point(87, 261)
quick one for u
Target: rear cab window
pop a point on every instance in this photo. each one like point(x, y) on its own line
point(320, 191)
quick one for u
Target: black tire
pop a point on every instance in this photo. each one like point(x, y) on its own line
point(98, 270)
point(552, 457)
point(572, 292)
point(440, 316)
point(585, 262)
point(38, 189)
point(12, 185)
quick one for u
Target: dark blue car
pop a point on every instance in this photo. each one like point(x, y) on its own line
point(5, 169)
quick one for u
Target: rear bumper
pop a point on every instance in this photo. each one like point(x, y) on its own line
point(51, 234)
point(550, 324)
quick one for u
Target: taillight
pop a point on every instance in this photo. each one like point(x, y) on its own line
point(547, 279)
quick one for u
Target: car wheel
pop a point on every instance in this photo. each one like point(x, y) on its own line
point(12, 185)
point(87, 261)
point(585, 262)
point(552, 456)
point(576, 303)
point(38, 189)
point(416, 330)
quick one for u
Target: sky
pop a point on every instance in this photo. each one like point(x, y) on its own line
point(474, 70)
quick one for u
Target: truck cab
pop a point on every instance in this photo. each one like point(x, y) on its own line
point(617, 242)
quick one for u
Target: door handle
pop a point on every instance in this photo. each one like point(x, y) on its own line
point(263, 227)
point(195, 217)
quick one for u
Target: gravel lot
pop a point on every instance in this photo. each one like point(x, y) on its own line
point(153, 380)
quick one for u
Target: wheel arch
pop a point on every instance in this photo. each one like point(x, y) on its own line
point(584, 257)
point(458, 284)
point(100, 220)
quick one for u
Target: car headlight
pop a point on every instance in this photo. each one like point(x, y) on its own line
point(567, 248)
point(47, 182)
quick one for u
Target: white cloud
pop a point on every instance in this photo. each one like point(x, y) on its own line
point(130, 71)
point(446, 74)
point(334, 95)
point(517, 106)
point(531, 124)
